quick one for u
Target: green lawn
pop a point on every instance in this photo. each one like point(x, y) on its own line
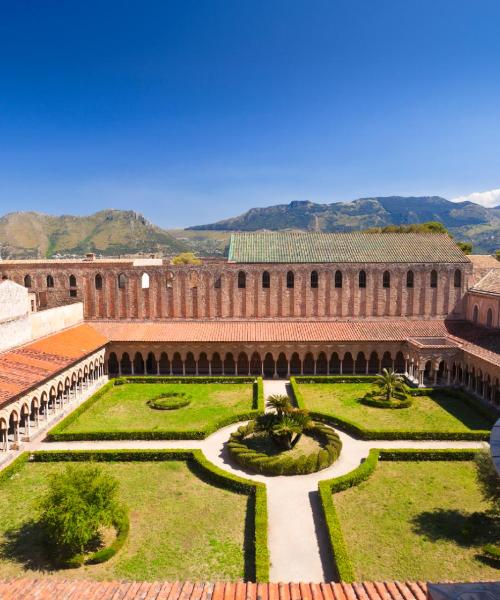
point(180, 527)
point(415, 521)
point(439, 413)
point(125, 408)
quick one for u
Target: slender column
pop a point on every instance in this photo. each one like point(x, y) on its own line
point(157, 366)
point(183, 367)
point(209, 368)
point(341, 365)
point(196, 363)
point(287, 368)
point(366, 367)
point(435, 376)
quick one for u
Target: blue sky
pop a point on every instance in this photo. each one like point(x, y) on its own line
point(194, 110)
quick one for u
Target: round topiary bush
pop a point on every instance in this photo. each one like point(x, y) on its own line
point(169, 401)
point(267, 459)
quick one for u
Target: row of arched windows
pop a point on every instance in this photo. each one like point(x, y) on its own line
point(489, 316)
point(266, 280)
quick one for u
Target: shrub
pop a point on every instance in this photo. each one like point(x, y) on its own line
point(488, 479)
point(283, 463)
point(79, 501)
point(492, 552)
point(169, 401)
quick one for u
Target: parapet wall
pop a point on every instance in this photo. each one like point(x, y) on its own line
point(53, 320)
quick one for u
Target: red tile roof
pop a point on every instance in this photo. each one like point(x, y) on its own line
point(27, 366)
point(483, 261)
point(489, 284)
point(269, 331)
point(58, 589)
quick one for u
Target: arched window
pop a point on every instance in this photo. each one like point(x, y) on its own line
point(122, 281)
point(242, 280)
point(314, 279)
point(338, 279)
point(290, 279)
point(362, 279)
point(409, 279)
point(98, 282)
point(266, 280)
point(50, 281)
point(27, 281)
point(489, 318)
point(386, 279)
point(457, 279)
point(434, 279)
point(475, 314)
point(217, 282)
point(72, 281)
point(145, 281)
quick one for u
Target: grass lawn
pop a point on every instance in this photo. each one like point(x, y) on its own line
point(415, 521)
point(180, 527)
point(125, 408)
point(439, 413)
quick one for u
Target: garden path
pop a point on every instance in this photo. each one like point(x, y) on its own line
point(298, 542)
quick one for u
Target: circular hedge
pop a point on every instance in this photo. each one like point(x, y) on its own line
point(401, 400)
point(169, 401)
point(282, 463)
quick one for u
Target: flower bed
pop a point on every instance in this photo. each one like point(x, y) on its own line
point(285, 463)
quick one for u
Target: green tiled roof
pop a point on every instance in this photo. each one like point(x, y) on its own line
point(293, 247)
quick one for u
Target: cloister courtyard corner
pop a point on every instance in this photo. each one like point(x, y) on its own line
point(297, 412)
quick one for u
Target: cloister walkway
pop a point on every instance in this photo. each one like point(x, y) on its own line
point(298, 542)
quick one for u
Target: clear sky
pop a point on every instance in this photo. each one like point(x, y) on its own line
point(194, 110)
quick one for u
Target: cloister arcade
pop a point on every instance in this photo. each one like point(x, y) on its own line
point(33, 412)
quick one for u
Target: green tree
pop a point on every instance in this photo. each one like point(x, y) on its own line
point(186, 258)
point(466, 247)
point(488, 479)
point(286, 427)
point(497, 254)
point(79, 502)
point(390, 384)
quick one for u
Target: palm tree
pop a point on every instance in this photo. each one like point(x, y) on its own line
point(389, 384)
point(280, 402)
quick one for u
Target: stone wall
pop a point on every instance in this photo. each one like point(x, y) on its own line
point(53, 320)
point(14, 320)
point(228, 290)
point(483, 309)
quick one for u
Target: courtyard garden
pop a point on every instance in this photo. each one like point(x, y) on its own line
point(177, 510)
point(432, 414)
point(145, 408)
point(412, 519)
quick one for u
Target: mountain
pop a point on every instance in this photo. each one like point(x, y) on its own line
point(465, 220)
point(108, 232)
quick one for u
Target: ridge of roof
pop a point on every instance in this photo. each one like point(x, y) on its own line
point(489, 283)
point(351, 247)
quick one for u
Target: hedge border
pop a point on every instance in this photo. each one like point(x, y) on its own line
point(373, 434)
point(261, 463)
point(58, 433)
point(328, 487)
point(199, 464)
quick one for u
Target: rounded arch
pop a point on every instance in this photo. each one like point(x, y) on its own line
point(164, 364)
point(113, 368)
point(72, 281)
point(50, 281)
point(386, 279)
point(295, 364)
point(360, 363)
point(334, 364)
point(27, 281)
point(229, 364)
point(348, 364)
point(122, 281)
point(434, 278)
point(242, 280)
point(373, 363)
point(308, 366)
point(489, 318)
point(203, 364)
point(410, 278)
point(145, 281)
point(457, 278)
point(362, 279)
point(138, 364)
point(242, 365)
point(386, 361)
point(475, 313)
point(126, 364)
point(314, 279)
point(216, 364)
point(255, 364)
point(338, 279)
point(151, 364)
point(268, 366)
point(98, 281)
point(177, 366)
point(322, 364)
point(190, 364)
point(282, 365)
point(290, 280)
point(266, 280)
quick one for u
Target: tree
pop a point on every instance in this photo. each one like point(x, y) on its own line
point(284, 425)
point(497, 254)
point(186, 258)
point(80, 500)
point(390, 384)
point(488, 479)
point(466, 247)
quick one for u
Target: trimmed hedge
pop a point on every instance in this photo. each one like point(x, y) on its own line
point(281, 464)
point(204, 469)
point(14, 467)
point(58, 433)
point(334, 378)
point(327, 488)
point(372, 434)
point(379, 402)
point(170, 401)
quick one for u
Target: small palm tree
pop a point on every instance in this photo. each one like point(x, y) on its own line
point(284, 430)
point(389, 384)
point(280, 402)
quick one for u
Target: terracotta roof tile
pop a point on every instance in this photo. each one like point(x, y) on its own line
point(270, 331)
point(66, 589)
point(27, 366)
point(296, 247)
point(490, 283)
point(483, 261)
